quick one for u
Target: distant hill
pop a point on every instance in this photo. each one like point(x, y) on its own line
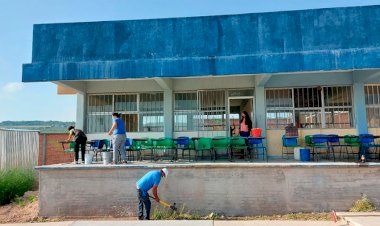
point(43, 126)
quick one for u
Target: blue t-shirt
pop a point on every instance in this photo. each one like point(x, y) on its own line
point(120, 127)
point(149, 180)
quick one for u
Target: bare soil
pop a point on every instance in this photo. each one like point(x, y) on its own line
point(25, 210)
point(20, 212)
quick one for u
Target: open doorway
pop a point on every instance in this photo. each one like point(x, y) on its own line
point(236, 106)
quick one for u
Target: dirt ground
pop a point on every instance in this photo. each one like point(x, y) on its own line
point(25, 210)
point(21, 212)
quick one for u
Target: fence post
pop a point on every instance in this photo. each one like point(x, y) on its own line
point(44, 149)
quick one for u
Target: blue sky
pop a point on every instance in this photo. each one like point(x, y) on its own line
point(39, 101)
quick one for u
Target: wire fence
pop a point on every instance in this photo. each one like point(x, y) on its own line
point(18, 148)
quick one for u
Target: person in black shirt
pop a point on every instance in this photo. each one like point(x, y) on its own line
point(80, 139)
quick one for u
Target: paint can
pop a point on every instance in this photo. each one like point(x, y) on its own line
point(106, 157)
point(88, 158)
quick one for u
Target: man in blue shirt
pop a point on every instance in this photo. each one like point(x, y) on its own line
point(150, 180)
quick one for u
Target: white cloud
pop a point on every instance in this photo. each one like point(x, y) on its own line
point(13, 87)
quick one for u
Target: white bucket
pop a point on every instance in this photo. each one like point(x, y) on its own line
point(88, 158)
point(106, 158)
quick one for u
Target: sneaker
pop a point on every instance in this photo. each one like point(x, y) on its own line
point(75, 162)
point(123, 162)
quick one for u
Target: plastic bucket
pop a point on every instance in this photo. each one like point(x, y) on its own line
point(305, 155)
point(88, 158)
point(106, 158)
point(256, 132)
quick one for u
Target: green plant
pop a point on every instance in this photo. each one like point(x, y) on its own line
point(363, 205)
point(14, 183)
point(167, 214)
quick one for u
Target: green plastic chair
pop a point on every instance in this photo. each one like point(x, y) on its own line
point(221, 143)
point(239, 143)
point(308, 141)
point(165, 147)
point(204, 144)
point(351, 141)
point(147, 146)
point(70, 150)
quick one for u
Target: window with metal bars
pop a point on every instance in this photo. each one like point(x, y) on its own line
point(212, 110)
point(141, 112)
point(186, 112)
point(372, 102)
point(151, 112)
point(203, 110)
point(317, 107)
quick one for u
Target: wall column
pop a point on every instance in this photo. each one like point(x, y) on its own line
point(81, 111)
point(260, 109)
point(168, 113)
point(359, 108)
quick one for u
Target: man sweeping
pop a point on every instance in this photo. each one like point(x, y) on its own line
point(148, 181)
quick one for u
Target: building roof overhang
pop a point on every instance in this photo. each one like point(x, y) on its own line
point(279, 42)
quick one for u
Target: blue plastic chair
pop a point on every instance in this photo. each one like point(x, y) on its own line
point(97, 147)
point(320, 141)
point(288, 142)
point(183, 143)
point(256, 146)
point(367, 142)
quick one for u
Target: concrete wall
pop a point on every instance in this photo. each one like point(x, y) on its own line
point(214, 45)
point(231, 189)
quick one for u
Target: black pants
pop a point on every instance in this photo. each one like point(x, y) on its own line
point(245, 134)
point(143, 201)
point(82, 143)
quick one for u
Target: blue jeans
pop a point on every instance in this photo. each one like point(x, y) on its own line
point(143, 201)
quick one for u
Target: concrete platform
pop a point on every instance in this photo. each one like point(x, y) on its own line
point(230, 189)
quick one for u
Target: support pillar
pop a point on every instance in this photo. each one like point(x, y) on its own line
point(168, 113)
point(260, 109)
point(81, 112)
point(359, 108)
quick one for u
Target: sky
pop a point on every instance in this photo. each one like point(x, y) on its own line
point(40, 101)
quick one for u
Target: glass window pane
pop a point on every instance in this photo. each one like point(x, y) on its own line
point(151, 122)
point(130, 121)
point(310, 119)
point(99, 123)
point(240, 93)
point(372, 101)
point(125, 103)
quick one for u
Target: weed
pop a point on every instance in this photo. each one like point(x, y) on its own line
point(363, 205)
point(167, 214)
point(14, 183)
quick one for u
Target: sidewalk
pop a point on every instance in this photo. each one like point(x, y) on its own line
point(183, 223)
point(361, 219)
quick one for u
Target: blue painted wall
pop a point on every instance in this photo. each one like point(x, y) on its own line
point(294, 41)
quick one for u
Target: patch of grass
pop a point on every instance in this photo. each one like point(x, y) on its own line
point(22, 201)
point(168, 214)
point(14, 183)
point(363, 204)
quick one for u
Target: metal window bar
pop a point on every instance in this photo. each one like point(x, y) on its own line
point(329, 107)
point(372, 101)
